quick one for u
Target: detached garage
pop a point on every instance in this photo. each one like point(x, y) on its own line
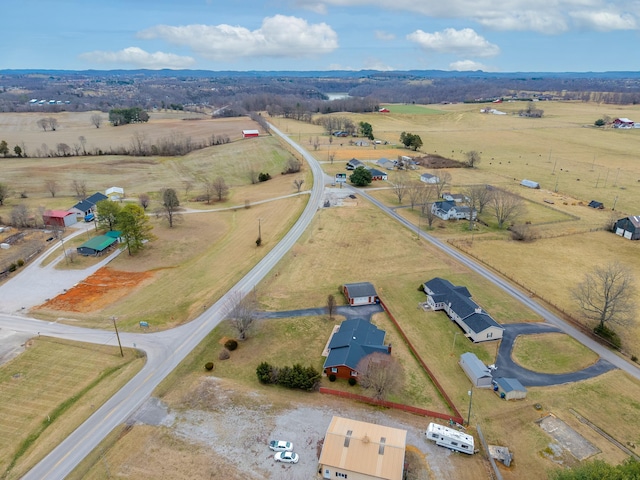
point(96, 246)
point(362, 293)
point(509, 388)
point(477, 371)
point(58, 218)
point(628, 227)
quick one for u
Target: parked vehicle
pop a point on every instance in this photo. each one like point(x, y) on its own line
point(280, 446)
point(90, 217)
point(286, 457)
point(450, 438)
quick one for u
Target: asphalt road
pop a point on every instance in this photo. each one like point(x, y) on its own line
point(509, 289)
point(165, 350)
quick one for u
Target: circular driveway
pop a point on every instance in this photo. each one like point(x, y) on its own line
point(506, 367)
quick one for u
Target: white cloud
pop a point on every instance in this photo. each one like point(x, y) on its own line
point(386, 36)
point(459, 42)
point(374, 64)
point(279, 36)
point(604, 21)
point(139, 58)
point(468, 66)
point(544, 16)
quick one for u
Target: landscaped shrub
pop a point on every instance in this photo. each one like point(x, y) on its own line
point(208, 366)
point(264, 372)
point(297, 376)
point(332, 377)
point(224, 354)
point(352, 381)
point(263, 177)
point(20, 262)
point(609, 335)
point(231, 344)
point(13, 267)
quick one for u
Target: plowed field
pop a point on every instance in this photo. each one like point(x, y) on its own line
point(103, 288)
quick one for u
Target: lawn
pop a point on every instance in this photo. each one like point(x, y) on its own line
point(50, 389)
point(552, 353)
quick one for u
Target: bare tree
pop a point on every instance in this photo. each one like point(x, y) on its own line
point(477, 197)
point(400, 185)
point(473, 158)
point(144, 200)
point(444, 180)
point(80, 186)
point(298, 183)
point(139, 144)
point(43, 124)
point(63, 149)
point(252, 174)
point(53, 123)
point(83, 142)
point(23, 145)
point(414, 191)
point(188, 185)
point(506, 206)
point(607, 294)
point(427, 196)
point(209, 189)
point(241, 312)
point(52, 187)
point(4, 193)
point(331, 306)
point(20, 216)
point(293, 165)
point(380, 373)
point(170, 205)
point(220, 188)
point(96, 120)
point(332, 156)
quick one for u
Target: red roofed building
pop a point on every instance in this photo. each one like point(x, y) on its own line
point(384, 110)
point(250, 133)
point(58, 218)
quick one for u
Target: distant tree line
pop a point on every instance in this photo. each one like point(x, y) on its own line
point(125, 116)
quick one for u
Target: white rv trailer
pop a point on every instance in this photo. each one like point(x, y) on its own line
point(450, 438)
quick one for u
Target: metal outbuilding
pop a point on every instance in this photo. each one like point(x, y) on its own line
point(478, 372)
point(58, 218)
point(509, 388)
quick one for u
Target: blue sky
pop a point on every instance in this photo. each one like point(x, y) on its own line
point(489, 35)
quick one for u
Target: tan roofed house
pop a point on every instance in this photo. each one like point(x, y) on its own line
point(362, 451)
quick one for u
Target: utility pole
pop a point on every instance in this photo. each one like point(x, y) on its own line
point(470, 399)
point(117, 335)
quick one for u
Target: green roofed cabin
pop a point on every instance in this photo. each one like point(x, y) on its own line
point(97, 245)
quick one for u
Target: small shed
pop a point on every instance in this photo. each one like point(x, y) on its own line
point(509, 388)
point(96, 246)
point(58, 218)
point(529, 183)
point(478, 372)
point(362, 293)
point(628, 227)
point(115, 194)
point(596, 204)
point(250, 133)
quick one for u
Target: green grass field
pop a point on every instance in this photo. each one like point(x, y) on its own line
point(50, 389)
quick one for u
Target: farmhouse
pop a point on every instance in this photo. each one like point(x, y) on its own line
point(355, 339)
point(354, 163)
point(456, 302)
point(623, 123)
point(450, 211)
point(58, 218)
point(628, 227)
point(509, 388)
point(88, 205)
point(477, 371)
point(377, 174)
point(96, 246)
point(529, 184)
point(362, 293)
point(115, 194)
point(362, 451)
point(429, 178)
point(250, 133)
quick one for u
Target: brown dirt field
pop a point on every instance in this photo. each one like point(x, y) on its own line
point(97, 291)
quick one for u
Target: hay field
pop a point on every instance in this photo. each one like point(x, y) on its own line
point(50, 389)
point(22, 129)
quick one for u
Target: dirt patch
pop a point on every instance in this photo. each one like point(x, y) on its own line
point(437, 161)
point(568, 438)
point(97, 291)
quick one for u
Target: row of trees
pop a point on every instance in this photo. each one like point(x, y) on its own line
point(125, 116)
point(297, 376)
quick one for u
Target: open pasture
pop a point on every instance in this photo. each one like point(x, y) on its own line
point(50, 389)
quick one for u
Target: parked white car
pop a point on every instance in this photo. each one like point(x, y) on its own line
point(280, 446)
point(286, 457)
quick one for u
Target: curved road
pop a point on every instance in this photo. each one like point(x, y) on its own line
point(509, 289)
point(165, 350)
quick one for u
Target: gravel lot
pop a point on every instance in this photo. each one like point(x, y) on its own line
point(238, 427)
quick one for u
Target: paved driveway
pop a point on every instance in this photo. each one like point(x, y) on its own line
point(508, 368)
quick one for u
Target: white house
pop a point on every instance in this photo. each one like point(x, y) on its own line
point(429, 178)
point(457, 303)
point(450, 211)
